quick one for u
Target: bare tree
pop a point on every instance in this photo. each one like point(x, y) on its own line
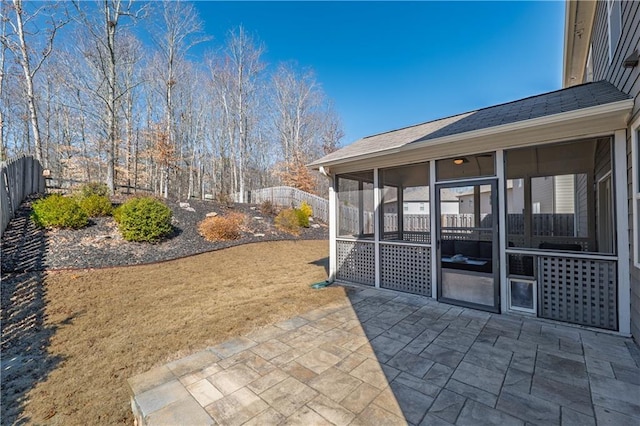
point(246, 66)
point(106, 106)
point(131, 53)
point(178, 31)
point(305, 123)
point(30, 58)
point(105, 37)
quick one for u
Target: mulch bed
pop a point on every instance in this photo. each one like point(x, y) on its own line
point(101, 245)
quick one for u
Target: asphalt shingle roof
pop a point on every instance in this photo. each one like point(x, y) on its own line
point(546, 104)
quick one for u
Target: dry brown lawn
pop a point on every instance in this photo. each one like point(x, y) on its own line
point(114, 323)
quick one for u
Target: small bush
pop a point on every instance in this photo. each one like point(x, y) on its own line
point(58, 212)
point(93, 188)
point(306, 209)
point(143, 219)
point(288, 221)
point(96, 205)
point(303, 218)
point(222, 228)
point(267, 208)
point(116, 213)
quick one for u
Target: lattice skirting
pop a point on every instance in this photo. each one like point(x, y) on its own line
point(356, 262)
point(580, 291)
point(406, 268)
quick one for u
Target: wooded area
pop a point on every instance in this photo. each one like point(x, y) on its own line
point(121, 92)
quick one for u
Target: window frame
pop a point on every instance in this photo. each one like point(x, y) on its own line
point(613, 44)
point(362, 179)
point(403, 207)
point(588, 241)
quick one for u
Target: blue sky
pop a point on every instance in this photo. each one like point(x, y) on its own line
point(388, 65)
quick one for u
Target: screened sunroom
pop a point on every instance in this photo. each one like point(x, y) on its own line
point(518, 207)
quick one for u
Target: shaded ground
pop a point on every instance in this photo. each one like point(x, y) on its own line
point(26, 336)
point(111, 324)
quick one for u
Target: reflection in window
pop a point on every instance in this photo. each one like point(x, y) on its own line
point(355, 205)
point(406, 186)
point(553, 201)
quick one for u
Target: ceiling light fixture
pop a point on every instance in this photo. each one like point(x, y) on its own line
point(459, 161)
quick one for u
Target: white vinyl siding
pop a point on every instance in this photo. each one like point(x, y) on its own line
point(564, 194)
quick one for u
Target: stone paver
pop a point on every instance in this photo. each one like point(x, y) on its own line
point(391, 358)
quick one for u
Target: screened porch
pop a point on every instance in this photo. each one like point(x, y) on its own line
point(530, 229)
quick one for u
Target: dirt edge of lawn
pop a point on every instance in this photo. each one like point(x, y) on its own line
point(113, 323)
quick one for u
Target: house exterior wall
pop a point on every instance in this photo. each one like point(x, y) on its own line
point(564, 195)
point(542, 194)
point(627, 80)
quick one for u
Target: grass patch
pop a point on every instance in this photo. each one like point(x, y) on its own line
point(112, 324)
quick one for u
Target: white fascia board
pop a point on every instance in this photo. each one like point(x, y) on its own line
point(569, 31)
point(624, 106)
point(579, 17)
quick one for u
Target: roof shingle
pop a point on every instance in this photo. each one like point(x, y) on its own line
point(546, 104)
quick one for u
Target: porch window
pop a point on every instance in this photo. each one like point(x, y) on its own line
point(355, 205)
point(406, 186)
point(559, 197)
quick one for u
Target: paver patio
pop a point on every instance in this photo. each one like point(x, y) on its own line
point(384, 358)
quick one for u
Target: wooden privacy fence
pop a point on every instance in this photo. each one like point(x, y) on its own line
point(20, 177)
point(286, 196)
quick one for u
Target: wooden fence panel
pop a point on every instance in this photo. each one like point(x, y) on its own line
point(286, 196)
point(19, 177)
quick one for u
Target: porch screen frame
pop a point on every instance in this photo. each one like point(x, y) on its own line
point(590, 241)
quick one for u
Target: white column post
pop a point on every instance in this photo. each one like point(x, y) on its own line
point(622, 228)
point(333, 227)
point(433, 210)
point(376, 225)
point(502, 229)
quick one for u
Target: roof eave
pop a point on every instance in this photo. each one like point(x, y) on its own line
point(624, 106)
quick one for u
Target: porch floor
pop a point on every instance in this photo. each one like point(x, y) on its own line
point(388, 358)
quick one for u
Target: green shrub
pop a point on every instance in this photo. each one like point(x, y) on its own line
point(58, 212)
point(96, 205)
point(143, 219)
point(288, 221)
point(306, 209)
point(93, 188)
point(116, 213)
point(303, 218)
point(222, 228)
